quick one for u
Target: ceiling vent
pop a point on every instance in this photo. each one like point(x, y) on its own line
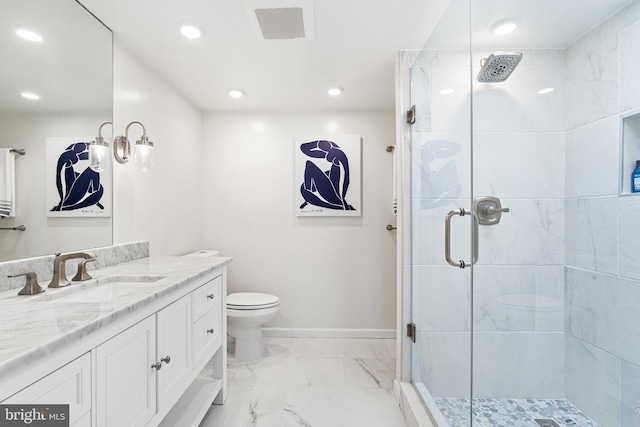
point(281, 19)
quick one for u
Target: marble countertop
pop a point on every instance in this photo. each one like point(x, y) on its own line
point(32, 327)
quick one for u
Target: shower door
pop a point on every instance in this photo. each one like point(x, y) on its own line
point(440, 163)
point(529, 319)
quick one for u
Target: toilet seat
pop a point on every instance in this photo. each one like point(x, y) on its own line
point(251, 301)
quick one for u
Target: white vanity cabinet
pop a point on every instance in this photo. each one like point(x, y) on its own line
point(71, 384)
point(209, 325)
point(146, 368)
point(161, 364)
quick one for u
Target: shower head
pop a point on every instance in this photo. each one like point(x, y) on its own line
point(498, 66)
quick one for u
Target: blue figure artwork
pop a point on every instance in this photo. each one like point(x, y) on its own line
point(77, 190)
point(326, 189)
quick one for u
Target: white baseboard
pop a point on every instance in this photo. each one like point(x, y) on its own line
point(328, 333)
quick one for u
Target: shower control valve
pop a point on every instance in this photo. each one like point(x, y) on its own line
point(489, 210)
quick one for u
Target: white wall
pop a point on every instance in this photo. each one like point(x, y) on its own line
point(164, 205)
point(330, 273)
point(248, 188)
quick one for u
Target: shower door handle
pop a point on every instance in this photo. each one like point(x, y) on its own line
point(447, 238)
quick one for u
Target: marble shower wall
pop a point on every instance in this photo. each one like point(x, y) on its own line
point(602, 248)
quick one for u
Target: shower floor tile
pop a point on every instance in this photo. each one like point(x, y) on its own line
point(512, 412)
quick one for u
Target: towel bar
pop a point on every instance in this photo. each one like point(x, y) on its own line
point(20, 151)
point(18, 228)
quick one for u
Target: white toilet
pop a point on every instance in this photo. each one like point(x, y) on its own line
point(246, 312)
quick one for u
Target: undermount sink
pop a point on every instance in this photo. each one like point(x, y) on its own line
point(110, 290)
point(98, 290)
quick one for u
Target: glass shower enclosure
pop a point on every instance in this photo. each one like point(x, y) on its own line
point(524, 260)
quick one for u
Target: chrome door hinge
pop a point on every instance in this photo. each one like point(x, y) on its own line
point(411, 115)
point(411, 331)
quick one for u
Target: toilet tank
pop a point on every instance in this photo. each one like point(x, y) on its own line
point(203, 253)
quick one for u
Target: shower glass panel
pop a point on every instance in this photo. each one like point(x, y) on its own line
point(440, 163)
point(536, 126)
point(518, 286)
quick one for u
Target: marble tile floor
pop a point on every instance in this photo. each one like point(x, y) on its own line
point(313, 382)
point(512, 412)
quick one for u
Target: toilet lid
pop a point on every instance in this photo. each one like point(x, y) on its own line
point(251, 301)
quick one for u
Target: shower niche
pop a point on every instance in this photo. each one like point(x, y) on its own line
point(630, 151)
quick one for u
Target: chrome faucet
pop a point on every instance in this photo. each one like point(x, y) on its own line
point(31, 287)
point(59, 278)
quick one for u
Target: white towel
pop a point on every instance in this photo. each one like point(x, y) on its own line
point(7, 183)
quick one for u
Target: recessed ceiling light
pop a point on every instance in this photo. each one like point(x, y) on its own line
point(236, 93)
point(29, 95)
point(545, 91)
point(29, 35)
point(335, 91)
point(503, 27)
point(190, 31)
point(446, 91)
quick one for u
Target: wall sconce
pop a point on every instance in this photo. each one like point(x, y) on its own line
point(143, 149)
point(99, 151)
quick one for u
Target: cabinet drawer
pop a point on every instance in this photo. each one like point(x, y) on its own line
point(206, 341)
point(206, 297)
point(70, 385)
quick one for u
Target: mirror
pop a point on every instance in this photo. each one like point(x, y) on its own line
point(71, 71)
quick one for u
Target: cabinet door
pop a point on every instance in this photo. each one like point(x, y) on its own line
point(175, 350)
point(126, 381)
point(84, 421)
point(69, 385)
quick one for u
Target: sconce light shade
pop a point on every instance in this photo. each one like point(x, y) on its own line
point(143, 149)
point(99, 152)
point(98, 156)
point(144, 154)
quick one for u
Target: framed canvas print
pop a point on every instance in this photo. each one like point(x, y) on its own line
point(327, 175)
point(73, 189)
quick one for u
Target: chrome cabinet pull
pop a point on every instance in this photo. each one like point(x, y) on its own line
point(166, 360)
point(447, 238)
point(211, 296)
point(210, 331)
point(157, 366)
